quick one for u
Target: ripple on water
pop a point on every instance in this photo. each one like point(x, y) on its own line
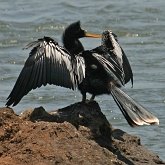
point(140, 30)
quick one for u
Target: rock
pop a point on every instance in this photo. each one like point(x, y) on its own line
point(77, 134)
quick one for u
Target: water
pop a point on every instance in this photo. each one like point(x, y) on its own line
point(140, 29)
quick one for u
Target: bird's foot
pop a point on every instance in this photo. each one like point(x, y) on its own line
point(92, 98)
point(85, 101)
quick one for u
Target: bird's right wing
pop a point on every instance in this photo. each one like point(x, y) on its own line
point(48, 63)
point(109, 66)
point(121, 58)
point(127, 69)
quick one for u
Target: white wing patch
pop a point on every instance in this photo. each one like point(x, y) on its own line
point(117, 50)
point(48, 63)
point(112, 68)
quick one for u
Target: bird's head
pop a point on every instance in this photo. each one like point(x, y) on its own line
point(75, 31)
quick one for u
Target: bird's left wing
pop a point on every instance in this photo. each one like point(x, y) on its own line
point(48, 63)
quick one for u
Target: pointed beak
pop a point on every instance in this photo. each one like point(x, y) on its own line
point(92, 35)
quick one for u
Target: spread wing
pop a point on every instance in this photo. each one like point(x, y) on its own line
point(48, 63)
point(110, 66)
point(109, 63)
point(119, 56)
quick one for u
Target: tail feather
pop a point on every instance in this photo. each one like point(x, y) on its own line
point(134, 113)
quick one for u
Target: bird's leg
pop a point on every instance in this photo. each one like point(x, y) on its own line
point(92, 98)
point(83, 97)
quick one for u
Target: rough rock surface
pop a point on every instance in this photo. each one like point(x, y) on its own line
point(77, 134)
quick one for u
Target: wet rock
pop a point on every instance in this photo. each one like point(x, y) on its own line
point(77, 134)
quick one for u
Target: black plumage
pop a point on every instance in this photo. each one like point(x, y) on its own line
point(112, 46)
point(71, 37)
point(105, 75)
point(49, 63)
point(102, 70)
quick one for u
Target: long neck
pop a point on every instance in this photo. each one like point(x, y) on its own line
point(72, 44)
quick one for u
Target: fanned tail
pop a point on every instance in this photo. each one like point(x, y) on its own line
point(134, 113)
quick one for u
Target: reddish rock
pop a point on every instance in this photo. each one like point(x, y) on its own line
point(77, 134)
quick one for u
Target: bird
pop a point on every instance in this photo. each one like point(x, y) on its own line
point(89, 71)
point(50, 63)
point(104, 76)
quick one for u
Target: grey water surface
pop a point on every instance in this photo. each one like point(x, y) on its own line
point(140, 26)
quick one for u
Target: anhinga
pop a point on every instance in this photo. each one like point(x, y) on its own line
point(104, 76)
point(49, 63)
point(89, 71)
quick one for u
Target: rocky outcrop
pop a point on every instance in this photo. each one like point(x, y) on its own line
point(77, 134)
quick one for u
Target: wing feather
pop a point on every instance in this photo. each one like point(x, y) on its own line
point(48, 63)
point(120, 57)
point(110, 66)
